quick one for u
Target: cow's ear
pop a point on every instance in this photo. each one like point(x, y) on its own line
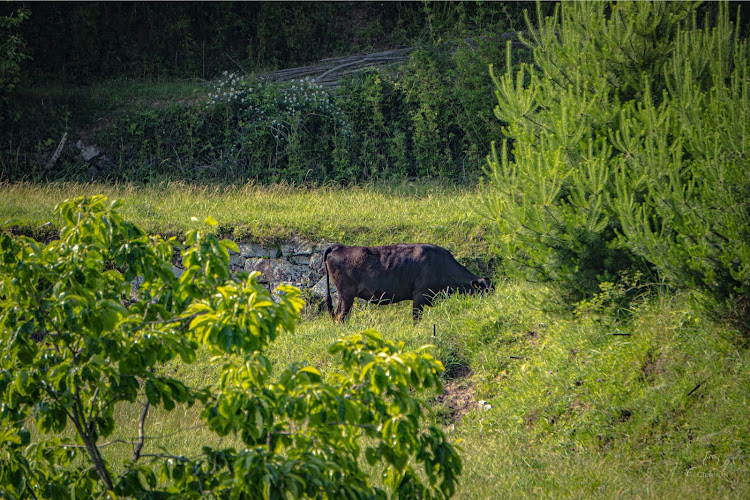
point(475, 284)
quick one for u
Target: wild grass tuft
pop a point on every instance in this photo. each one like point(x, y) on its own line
point(367, 215)
point(649, 404)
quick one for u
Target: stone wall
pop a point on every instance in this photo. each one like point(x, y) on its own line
point(297, 262)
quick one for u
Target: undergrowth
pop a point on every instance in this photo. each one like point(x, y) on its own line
point(429, 117)
point(373, 214)
point(572, 406)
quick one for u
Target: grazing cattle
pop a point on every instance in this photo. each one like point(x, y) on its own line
point(392, 273)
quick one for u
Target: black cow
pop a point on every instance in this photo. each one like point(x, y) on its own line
point(392, 273)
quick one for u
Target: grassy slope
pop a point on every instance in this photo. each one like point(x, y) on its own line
point(575, 411)
point(358, 215)
point(659, 412)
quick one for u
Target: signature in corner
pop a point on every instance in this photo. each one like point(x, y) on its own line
point(711, 467)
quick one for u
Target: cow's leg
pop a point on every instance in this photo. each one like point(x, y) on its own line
point(344, 307)
point(420, 300)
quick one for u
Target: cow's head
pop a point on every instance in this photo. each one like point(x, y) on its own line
point(481, 285)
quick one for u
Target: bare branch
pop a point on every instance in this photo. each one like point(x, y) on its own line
point(141, 436)
point(93, 400)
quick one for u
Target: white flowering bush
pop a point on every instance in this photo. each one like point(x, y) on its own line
point(288, 129)
point(265, 99)
point(225, 90)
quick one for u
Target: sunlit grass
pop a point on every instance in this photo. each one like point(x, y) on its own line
point(654, 406)
point(657, 411)
point(558, 387)
point(368, 215)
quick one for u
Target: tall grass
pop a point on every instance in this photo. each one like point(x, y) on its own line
point(658, 411)
point(651, 404)
point(371, 215)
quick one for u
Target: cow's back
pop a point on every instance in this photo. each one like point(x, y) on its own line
point(386, 272)
point(393, 273)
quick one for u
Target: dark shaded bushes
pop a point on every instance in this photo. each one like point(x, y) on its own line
point(428, 118)
point(618, 168)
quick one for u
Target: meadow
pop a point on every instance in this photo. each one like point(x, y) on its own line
point(369, 214)
point(599, 401)
point(616, 174)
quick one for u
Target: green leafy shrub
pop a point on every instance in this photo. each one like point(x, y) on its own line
point(12, 53)
point(683, 185)
point(381, 145)
point(246, 130)
point(430, 120)
point(622, 153)
point(77, 343)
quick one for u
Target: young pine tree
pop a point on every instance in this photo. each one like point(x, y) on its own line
point(628, 137)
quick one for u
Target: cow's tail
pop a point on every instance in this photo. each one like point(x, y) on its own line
point(329, 301)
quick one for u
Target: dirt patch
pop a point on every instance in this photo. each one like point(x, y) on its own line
point(652, 366)
point(457, 398)
point(533, 337)
point(103, 123)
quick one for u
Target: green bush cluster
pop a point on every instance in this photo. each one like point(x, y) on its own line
point(429, 121)
point(429, 118)
point(12, 53)
point(629, 151)
point(247, 129)
point(78, 343)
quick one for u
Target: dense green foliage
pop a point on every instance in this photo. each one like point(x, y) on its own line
point(81, 43)
point(629, 151)
point(429, 117)
point(77, 343)
point(432, 120)
point(12, 54)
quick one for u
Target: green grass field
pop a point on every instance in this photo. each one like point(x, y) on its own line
point(653, 403)
point(411, 212)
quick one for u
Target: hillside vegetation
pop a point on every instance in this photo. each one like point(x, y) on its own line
point(601, 172)
point(218, 119)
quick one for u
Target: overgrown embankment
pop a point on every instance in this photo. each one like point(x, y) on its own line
point(365, 215)
point(427, 116)
point(649, 402)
